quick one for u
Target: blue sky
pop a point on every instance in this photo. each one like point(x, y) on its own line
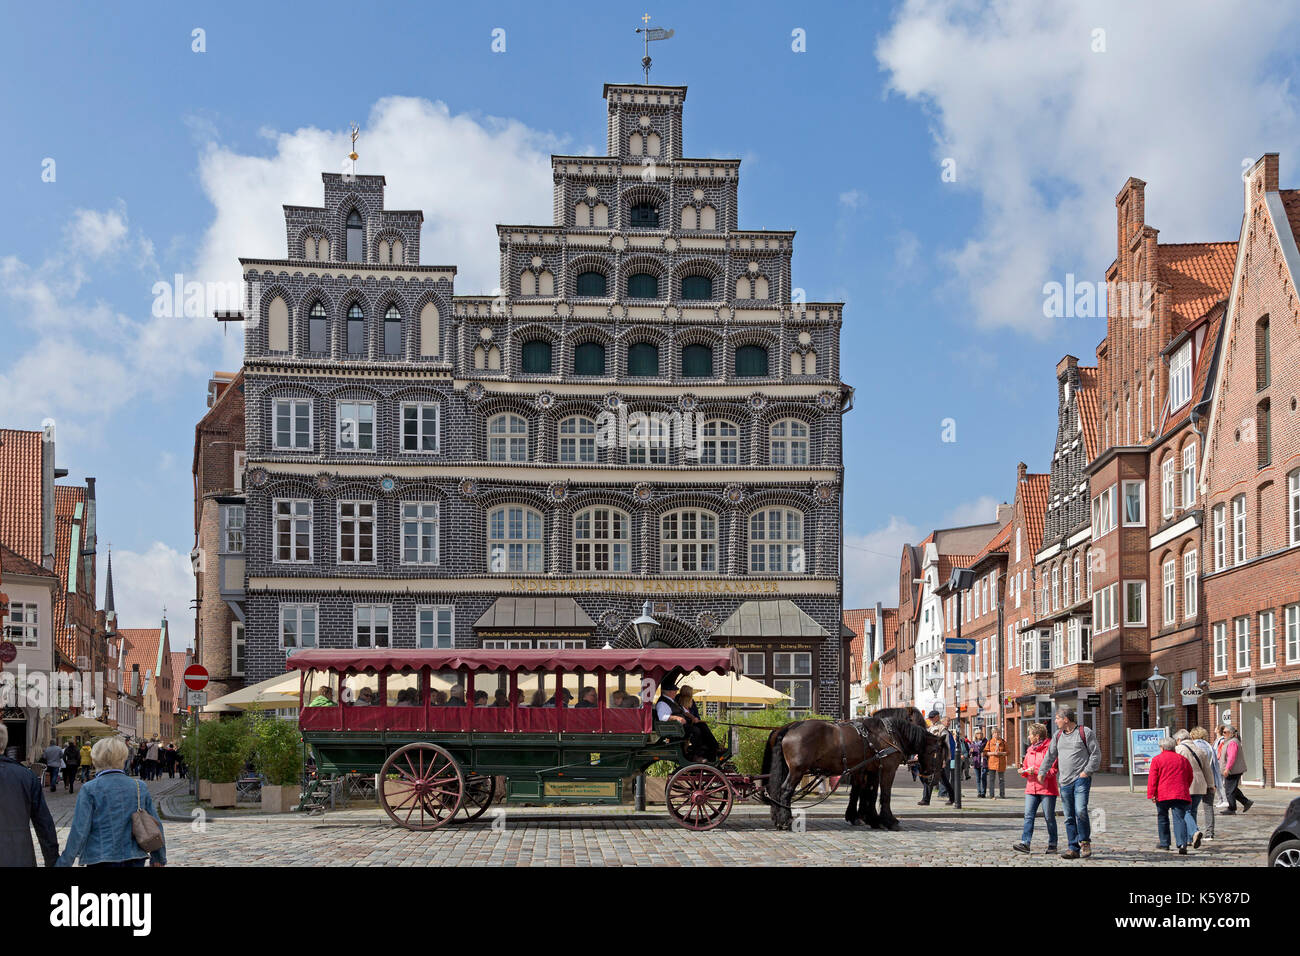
point(172, 161)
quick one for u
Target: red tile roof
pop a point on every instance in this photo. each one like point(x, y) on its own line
point(1202, 362)
point(11, 562)
point(66, 499)
point(949, 561)
point(20, 492)
point(998, 544)
point(1089, 408)
point(142, 650)
point(1199, 274)
point(886, 635)
point(1035, 490)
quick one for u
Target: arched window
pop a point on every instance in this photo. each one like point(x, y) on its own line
point(697, 287)
point(514, 539)
point(751, 361)
point(429, 344)
point(507, 438)
point(356, 242)
point(589, 359)
point(708, 218)
point(647, 439)
point(776, 541)
point(643, 359)
point(536, 356)
point(356, 330)
point(689, 540)
point(591, 283)
point(318, 336)
point(789, 440)
point(277, 325)
point(642, 286)
point(645, 214)
point(697, 361)
point(578, 439)
point(719, 443)
point(392, 331)
point(601, 540)
point(690, 218)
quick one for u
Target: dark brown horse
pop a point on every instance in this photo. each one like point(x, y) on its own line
point(833, 749)
point(906, 727)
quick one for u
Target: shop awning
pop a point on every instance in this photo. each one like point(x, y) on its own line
point(527, 612)
point(769, 619)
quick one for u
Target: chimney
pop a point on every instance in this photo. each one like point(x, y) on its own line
point(1005, 511)
point(1021, 470)
point(47, 496)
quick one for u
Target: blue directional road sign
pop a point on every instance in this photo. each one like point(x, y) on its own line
point(965, 646)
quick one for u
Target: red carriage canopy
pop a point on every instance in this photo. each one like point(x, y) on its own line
point(721, 660)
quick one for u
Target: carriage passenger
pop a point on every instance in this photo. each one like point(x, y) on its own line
point(480, 698)
point(457, 697)
point(408, 697)
point(616, 699)
point(500, 699)
point(365, 698)
point(324, 697)
point(437, 698)
point(589, 698)
point(538, 699)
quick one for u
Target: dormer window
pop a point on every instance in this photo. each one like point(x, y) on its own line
point(644, 214)
point(356, 244)
point(1180, 377)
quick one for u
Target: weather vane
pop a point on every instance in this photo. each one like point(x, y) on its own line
point(650, 33)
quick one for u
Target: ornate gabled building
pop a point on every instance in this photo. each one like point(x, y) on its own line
point(644, 413)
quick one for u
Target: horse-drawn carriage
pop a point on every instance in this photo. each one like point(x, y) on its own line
point(447, 732)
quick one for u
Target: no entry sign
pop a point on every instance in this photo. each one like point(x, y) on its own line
point(196, 677)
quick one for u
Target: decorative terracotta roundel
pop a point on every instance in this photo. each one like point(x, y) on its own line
point(824, 492)
point(642, 491)
point(734, 494)
point(610, 620)
point(688, 402)
point(557, 490)
point(827, 401)
point(545, 400)
point(387, 484)
point(707, 621)
point(468, 487)
point(758, 401)
point(258, 476)
point(474, 392)
point(485, 333)
point(613, 401)
point(805, 338)
point(324, 482)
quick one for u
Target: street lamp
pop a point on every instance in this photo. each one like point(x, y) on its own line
point(1156, 682)
point(645, 626)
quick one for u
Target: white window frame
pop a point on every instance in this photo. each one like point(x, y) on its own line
point(595, 552)
point(293, 519)
point(704, 548)
point(1220, 520)
point(794, 442)
point(528, 546)
point(420, 519)
point(293, 433)
point(647, 440)
point(503, 444)
point(341, 410)
point(27, 632)
point(434, 615)
point(719, 440)
point(1141, 503)
point(230, 528)
point(1104, 513)
point(1221, 647)
point(1239, 530)
point(1293, 634)
point(356, 521)
point(746, 663)
point(579, 445)
point(1169, 592)
point(420, 436)
point(1267, 638)
point(1190, 588)
point(237, 639)
point(1241, 642)
point(1168, 487)
point(296, 611)
point(1189, 476)
point(1056, 587)
point(1180, 377)
point(1142, 589)
point(374, 612)
point(1293, 506)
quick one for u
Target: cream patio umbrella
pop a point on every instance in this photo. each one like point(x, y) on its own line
point(84, 726)
point(731, 689)
point(269, 694)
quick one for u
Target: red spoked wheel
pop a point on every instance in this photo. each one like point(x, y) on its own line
point(479, 791)
point(421, 787)
point(699, 796)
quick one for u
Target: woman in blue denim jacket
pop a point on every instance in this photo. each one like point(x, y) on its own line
point(101, 825)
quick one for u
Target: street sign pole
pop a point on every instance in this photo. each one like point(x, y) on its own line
point(956, 757)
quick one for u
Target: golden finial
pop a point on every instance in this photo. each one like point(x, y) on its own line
point(356, 131)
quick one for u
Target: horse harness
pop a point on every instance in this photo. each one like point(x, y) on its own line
point(873, 755)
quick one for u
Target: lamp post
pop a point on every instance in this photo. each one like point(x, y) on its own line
point(1156, 683)
point(645, 628)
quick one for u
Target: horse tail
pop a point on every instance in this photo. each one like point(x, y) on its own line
point(774, 766)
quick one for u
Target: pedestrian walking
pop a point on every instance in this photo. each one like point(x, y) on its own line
point(1232, 760)
point(102, 831)
point(84, 757)
point(71, 764)
point(1202, 778)
point(979, 761)
point(137, 765)
point(996, 754)
point(1075, 750)
point(23, 809)
point(152, 755)
point(1039, 791)
point(169, 760)
point(1200, 737)
point(53, 757)
point(1169, 780)
point(935, 724)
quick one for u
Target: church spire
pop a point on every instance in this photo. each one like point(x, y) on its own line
point(110, 612)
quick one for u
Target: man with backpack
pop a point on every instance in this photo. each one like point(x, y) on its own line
point(1077, 755)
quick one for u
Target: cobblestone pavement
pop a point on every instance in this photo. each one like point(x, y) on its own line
point(1124, 835)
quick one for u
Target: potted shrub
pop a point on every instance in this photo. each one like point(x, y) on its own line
point(278, 755)
point(224, 746)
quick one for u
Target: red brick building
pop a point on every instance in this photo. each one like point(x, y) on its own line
point(1251, 487)
point(1024, 699)
point(973, 696)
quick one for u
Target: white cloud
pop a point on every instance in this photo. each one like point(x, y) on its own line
point(1046, 131)
point(980, 511)
point(96, 233)
point(144, 584)
point(465, 173)
point(852, 199)
point(871, 563)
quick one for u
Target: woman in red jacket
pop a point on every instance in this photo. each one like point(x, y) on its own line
point(1169, 782)
point(1037, 793)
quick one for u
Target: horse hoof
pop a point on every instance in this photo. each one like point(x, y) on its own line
point(853, 821)
point(893, 825)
